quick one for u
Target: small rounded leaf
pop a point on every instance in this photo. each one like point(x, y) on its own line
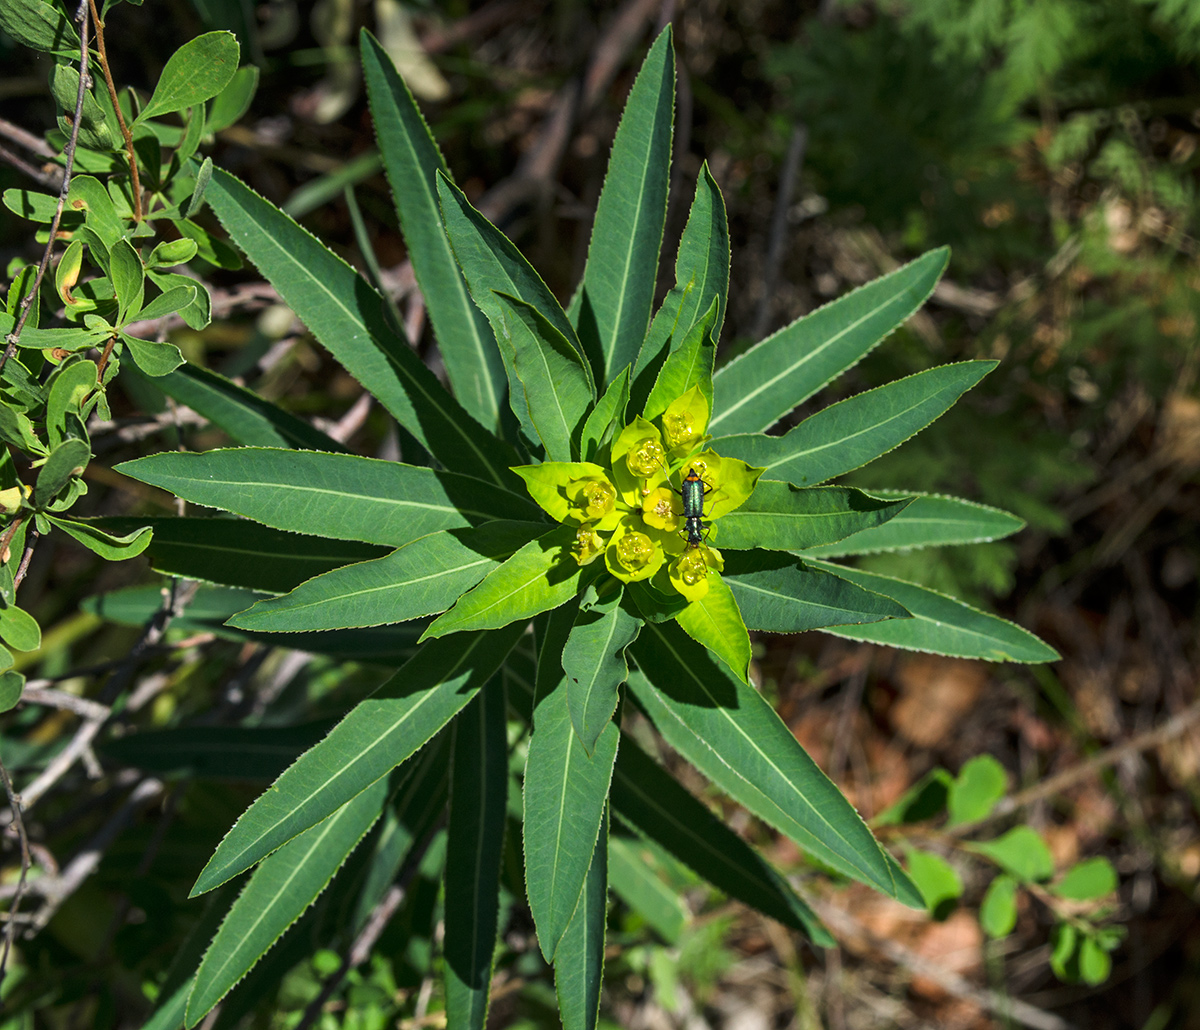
point(998, 913)
point(1020, 852)
point(1088, 880)
point(976, 789)
point(937, 881)
point(11, 685)
point(1094, 963)
point(19, 630)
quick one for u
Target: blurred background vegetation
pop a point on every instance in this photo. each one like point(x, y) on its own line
point(1052, 143)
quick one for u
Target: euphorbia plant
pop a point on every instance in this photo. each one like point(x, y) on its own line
point(569, 522)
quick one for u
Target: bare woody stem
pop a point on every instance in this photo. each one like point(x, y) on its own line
point(134, 182)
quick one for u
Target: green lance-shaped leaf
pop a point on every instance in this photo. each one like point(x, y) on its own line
point(715, 621)
point(347, 316)
point(69, 389)
point(337, 495)
point(701, 276)
point(237, 552)
point(282, 887)
point(778, 594)
point(412, 160)
point(725, 728)
point(648, 799)
point(555, 382)
point(853, 432)
point(256, 753)
point(940, 624)
point(168, 302)
point(196, 72)
point(421, 578)
point(128, 277)
point(478, 794)
point(19, 630)
point(781, 517)
point(931, 520)
point(617, 291)
point(762, 385)
point(593, 660)
point(579, 960)
point(542, 575)
point(108, 546)
point(690, 364)
point(374, 737)
point(606, 417)
point(492, 267)
point(565, 795)
point(247, 418)
point(39, 26)
point(634, 877)
point(68, 459)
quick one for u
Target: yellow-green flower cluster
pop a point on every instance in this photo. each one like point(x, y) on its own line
point(630, 511)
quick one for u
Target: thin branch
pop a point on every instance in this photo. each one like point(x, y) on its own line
point(46, 179)
point(52, 698)
point(10, 929)
point(69, 159)
point(134, 182)
point(25, 138)
point(1014, 1009)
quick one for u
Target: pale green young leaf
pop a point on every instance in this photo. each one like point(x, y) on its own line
point(248, 418)
point(606, 417)
point(715, 621)
point(778, 594)
point(701, 276)
point(762, 385)
point(728, 731)
point(998, 910)
point(553, 379)
point(1021, 852)
point(1090, 879)
point(423, 577)
point(411, 160)
point(936, 879)
point(853, 432)
point(579, 960)
point(566, 790)
point(348, 317)
point(940, 624)
point(635, 880)
point(617, 291)
point(593, 660)
point(689, 364)
point(337, 495)
point(931, 520)
point(781, 517)
point(155, 359)
point(237, 552)
point(196, 72)
point(542, 575)
point(282, 887)
point(108, 546)
point(975, 790)
point(478, 794)
point(375, 736)
point(648, 799)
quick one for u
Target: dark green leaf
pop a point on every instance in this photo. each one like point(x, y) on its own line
point(377, 735)
point(155, 359)
point(109, 547)
point(782, 517)
point(617, 291)
point(230, 104)
point(421, 578)
point(762, 385)
point(648, 799)
point(336, 495)
point(726, 729)
point(39, 26)
point(197, 71)
point(941, 624)
point(478, 793)
point(411, 159)
point(778, 594)
point(579, 961)
point(858, 430)
point(689, 364)
point(68, 459)
point(348, 317)
point(606, 417)
point(593, 660)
